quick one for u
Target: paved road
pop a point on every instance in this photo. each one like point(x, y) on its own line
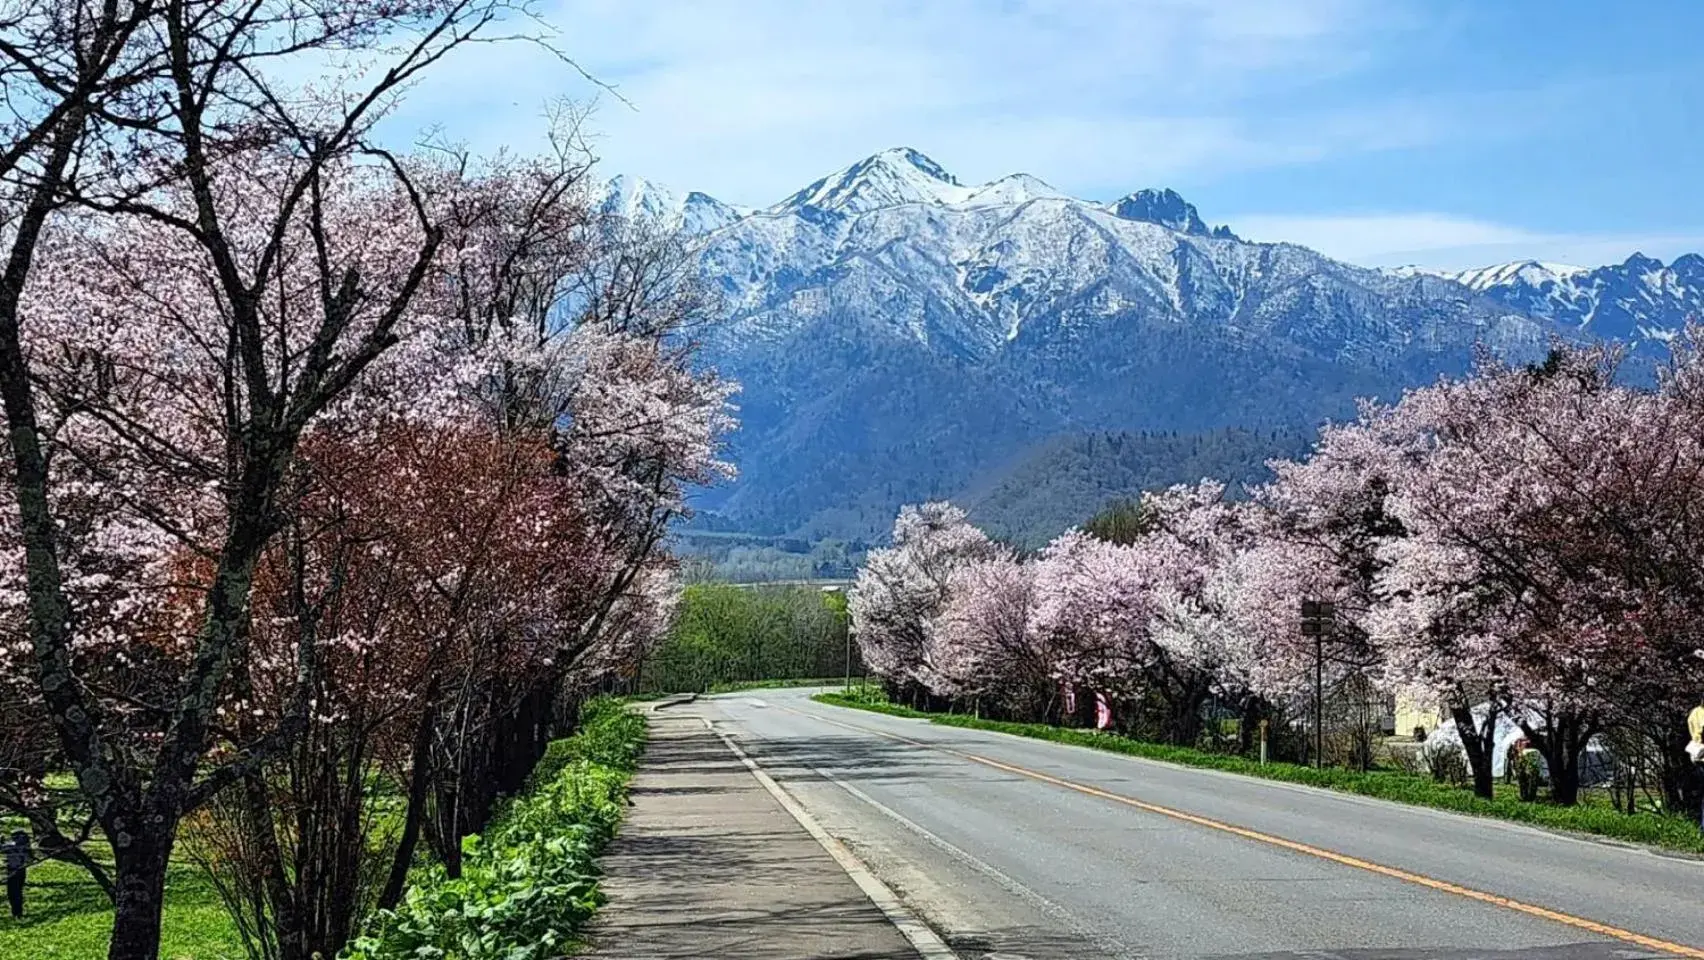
point(1017, 848)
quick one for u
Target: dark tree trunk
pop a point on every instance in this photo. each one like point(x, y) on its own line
point(1183, 714)
point(1480, 744)
point(419, 788)
point(1561, 742)
point(140, 868)
point(263, 839)
point(1682, 780)
point(1248, 730)
point(1565, 778)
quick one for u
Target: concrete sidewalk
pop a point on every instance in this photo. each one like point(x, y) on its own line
point(709, 864)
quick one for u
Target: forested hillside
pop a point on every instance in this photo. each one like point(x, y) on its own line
point(1064, 481)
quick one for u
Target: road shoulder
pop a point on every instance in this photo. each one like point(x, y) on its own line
point(709, 864)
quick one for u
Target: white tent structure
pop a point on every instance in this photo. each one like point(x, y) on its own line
point(1597, 765)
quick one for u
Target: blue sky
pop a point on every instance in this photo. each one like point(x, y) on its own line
point(1446, 133)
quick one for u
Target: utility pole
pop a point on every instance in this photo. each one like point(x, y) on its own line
point(1317, 619)
point(848, 595)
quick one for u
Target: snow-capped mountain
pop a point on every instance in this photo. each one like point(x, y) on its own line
point(1638, 300)
point(1167, 209)
point(899, 333)
point(640, 199)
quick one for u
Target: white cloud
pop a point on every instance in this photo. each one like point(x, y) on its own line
point(1446, 242)
point(749, 99)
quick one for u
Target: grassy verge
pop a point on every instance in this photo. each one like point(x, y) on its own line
point(66, 917)
point(737, 686)
point(529, 884)
point(1670, 832)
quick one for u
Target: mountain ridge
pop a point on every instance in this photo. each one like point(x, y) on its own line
point(899, 333)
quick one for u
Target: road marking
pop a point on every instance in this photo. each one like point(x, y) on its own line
point(927, 943)
point(1444, 886)
point(1112, 947)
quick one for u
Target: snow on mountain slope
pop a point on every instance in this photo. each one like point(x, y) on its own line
point(894, 176)
point(1014, 188)
point(899, 333)
point(1531, 272)
point(1637, 300)
point(896, 244)
point(636, 198)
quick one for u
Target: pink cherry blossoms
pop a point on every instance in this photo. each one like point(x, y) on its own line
point(1527, 541)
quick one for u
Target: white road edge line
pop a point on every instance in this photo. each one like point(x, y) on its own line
point(926, 942)
point(1113, 948)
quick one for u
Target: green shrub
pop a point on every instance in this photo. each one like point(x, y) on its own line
point(529, 884)
point(1526, 773)
point(1446, 764)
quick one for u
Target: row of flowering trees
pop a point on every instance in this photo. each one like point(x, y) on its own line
point(1527, 538)
point(332, 476)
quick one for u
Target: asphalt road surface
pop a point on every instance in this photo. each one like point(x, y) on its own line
point(1015, 848)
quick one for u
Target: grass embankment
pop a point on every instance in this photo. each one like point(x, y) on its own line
point(1669, 832)
point(529, 884)
point(740, 686)
point(527, 889)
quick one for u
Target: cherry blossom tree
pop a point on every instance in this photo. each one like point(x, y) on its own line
point(903, 588)
point(1563, 506)
point(1193, 530)
point(488, 503)
point(1135, 618)
point(981, 644)
point(260, 270)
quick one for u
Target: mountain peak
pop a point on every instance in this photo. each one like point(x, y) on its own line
point(1165, 207)
point(638, 199)
point(907, 156)
point(1530, 273)
point(1013, 188)
point(894, 176)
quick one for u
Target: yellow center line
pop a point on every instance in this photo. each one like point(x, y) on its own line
point(1591, 926)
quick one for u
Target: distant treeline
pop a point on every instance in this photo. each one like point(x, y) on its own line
point(723, 633)
point(751, 558)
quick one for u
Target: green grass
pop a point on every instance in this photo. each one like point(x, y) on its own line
point(529, 883)
point(66, 917)
point(739, 685)
point(1669, 832)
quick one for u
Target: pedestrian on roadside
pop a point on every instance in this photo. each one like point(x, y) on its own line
point(1695, 750)
point(17, 858)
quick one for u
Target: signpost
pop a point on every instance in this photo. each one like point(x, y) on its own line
point(1318, 617)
